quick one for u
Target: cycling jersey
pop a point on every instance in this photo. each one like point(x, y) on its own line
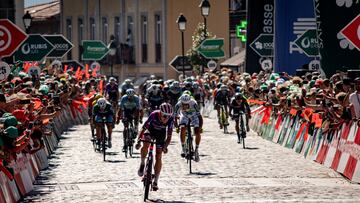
point(222, 97)
point(173, 95)
point(112, 91)
point(198, 94)
point(237, 106)
point(189, 112)
point(157, 129)
point(129, 104)
point(108, 112)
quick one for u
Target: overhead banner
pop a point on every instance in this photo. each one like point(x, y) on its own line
point(339, 37)
point(296, 42)
point(260, 35)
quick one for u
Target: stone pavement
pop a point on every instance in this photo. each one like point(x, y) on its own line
point(264, 172)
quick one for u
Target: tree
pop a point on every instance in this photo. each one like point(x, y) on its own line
point(196, 59)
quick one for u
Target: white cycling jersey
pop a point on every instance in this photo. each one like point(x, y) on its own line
point(187, 110)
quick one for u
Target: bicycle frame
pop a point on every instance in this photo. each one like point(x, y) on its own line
point(148, 176)
point(189, 145)
point(129, 130)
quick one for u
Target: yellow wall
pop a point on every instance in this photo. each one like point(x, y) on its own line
point(218, 24)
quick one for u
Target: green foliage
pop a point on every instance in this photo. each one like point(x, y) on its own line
point(197, 59)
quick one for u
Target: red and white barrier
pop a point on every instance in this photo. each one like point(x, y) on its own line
point(339, 148)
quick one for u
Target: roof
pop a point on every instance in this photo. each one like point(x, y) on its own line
point(44, 11)
point(234, 61)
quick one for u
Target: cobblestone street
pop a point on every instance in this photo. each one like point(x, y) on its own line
point(264, 172)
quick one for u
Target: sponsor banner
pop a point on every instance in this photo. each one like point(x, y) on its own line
point(296, 42)
point(260, 30)
point(338, 37)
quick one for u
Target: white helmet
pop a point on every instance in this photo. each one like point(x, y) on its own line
point(130, 92)
point(185, 98)
point(102, 103)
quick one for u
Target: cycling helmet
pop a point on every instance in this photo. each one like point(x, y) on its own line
point(187, 84)
point(176, 84)
point(195, 85)
point(238, 96)
point(187, 92)
point(223, 88)
point(130, 92)
point(102, 103)
point(185, 98)
point(166, 109)
point(112, 79)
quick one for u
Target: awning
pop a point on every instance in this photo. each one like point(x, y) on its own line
point(235, 61)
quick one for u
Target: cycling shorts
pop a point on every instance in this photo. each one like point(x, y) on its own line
point(194, 121)
point(158, 137)
point(109, 119)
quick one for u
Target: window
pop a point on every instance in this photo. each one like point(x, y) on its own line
point(69, 35)
point(105, 30)
point(144, 36)
point(157, 38)
point(7, 9)
point(129, 55)
point(117, 29)
point(92, 28)
point(80, 35)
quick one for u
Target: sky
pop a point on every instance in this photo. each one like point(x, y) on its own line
point(34, 2)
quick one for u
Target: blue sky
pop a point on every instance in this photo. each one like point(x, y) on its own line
point(34, 2)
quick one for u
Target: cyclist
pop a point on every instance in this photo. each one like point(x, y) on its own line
point(127, 84)
point(239, 104)
point(174, 93)
point(129, 110)
point(199, 94)
point(112, 94)
point(158, 126)
point(102, 109)
point(188, 86)
point(155, 96)
point(222, 97)
point(188, 109)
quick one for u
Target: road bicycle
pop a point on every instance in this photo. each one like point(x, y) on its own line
point(129, 135)
point(223, 119)
point(189, 147)
point(103, 138)
point(242, 131)
point(148, 174)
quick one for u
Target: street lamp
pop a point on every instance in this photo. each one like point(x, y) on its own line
point(181, 21)
point(112, 53)
point(205, 10)
point(27, 21)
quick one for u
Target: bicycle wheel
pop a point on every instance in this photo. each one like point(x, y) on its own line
point(130, 141)
point(189, 147)
point(147, 179)
point(103, 143)
point(243, 132)
point(126, 141)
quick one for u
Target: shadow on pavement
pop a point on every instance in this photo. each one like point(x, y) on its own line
point(203, 173)
point(165, 201)
point(252, 148)
point(112, 153)
point(115, 161)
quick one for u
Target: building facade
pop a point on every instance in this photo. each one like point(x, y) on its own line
point(13, 10)
point(145, 32)
point(45, 18)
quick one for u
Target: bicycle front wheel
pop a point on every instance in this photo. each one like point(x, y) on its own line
point(147, 180)
point(103, 144)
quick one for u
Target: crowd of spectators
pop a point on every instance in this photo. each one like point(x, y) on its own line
point(28, 103)
point(335, 98)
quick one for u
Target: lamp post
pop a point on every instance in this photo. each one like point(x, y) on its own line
point(181, 21)
point(27, 21)
point(205, 10)
point(112, 53)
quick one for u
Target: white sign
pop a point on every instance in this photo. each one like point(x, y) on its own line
point(34, 70)
point(95, 66)
point(314, 65)
point(212, 65)
point(4, 70)
point(57, 64)
point(266, 64)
